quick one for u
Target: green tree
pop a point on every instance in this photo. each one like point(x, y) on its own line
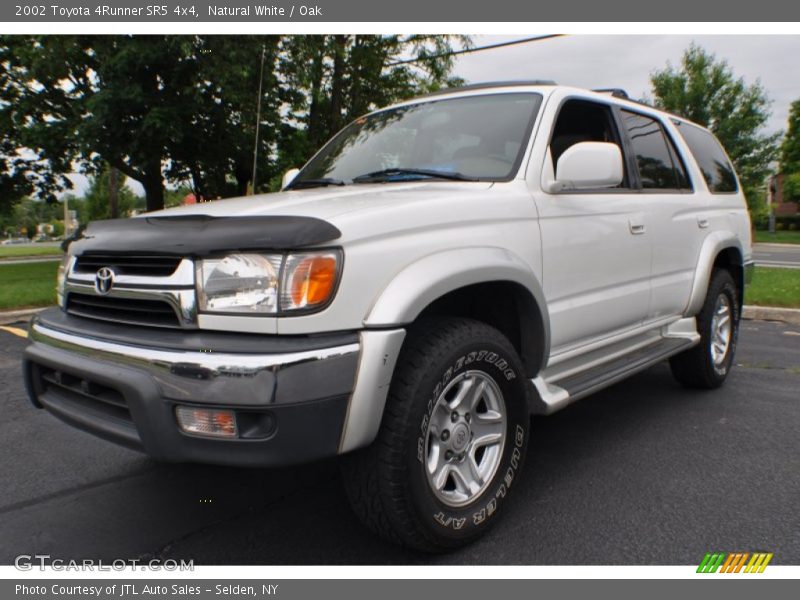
point(178, 109)
point(791, 186)
point(331, 80)
point(94, 99)
point(705, 90)
point(790, 148)
point(95, 200)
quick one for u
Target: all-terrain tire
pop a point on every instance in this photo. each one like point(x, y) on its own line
point(699, 367)
point(389, 483)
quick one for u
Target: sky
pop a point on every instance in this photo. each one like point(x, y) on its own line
point(626, 61)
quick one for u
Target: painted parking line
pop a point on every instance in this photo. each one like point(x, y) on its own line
point(15, 331)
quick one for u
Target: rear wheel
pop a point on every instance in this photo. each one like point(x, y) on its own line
point(707, 365)
point(452, 440)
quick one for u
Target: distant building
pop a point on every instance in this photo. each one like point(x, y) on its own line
point(775, 199)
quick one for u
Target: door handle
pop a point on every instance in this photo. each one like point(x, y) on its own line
point(636, 228)
point(702, 222)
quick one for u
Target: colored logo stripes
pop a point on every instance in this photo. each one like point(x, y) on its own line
point(735, 562)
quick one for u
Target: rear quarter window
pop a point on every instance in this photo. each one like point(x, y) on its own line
point(711, 158)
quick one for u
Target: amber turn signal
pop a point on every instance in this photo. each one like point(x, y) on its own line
point(310, 280)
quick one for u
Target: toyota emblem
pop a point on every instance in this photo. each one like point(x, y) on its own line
point(104, 280)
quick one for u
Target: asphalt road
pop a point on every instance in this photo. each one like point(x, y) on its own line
point(777, 255)
point(641, 473)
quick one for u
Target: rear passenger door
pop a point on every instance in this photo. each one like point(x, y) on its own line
point(676, 214)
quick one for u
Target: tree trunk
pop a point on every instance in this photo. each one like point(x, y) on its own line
point(113, 193)
point(337, 84)
point(154, 192)
point(151, 179)
point(317, 70)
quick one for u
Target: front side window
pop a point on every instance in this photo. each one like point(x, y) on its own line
point(583, 121)
point(707, 151)
point(658, 163)
point(472, 138)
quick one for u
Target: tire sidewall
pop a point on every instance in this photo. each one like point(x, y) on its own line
point(725, 285)
point(458, 524)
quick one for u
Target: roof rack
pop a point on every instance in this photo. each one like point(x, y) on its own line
point(620, 93)
point(616, 92)
point(488, 85)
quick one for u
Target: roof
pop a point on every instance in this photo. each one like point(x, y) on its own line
point(617, 93)
point(487, 85)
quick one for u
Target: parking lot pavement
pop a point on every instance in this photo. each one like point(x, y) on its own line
point(777, 255)
point(641, 473)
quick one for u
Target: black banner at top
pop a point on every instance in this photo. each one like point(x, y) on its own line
point(198, 11)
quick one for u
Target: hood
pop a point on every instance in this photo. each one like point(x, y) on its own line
point(358, 210)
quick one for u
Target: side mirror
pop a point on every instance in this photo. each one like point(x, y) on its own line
point(288, 177)
point(588, 165)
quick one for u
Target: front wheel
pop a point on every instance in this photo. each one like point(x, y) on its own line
point(452, 440)
point(707, 365)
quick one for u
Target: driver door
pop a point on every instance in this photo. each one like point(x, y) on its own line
point(596, 248)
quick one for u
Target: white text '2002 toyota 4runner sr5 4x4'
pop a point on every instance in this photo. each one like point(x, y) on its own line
point(435, 274)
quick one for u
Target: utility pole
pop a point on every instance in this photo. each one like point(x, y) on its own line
point(66, 216)
point(258, 114)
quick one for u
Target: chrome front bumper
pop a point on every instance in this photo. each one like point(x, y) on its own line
point(293, 404)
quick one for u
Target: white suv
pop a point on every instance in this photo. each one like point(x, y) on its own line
point(438, 272)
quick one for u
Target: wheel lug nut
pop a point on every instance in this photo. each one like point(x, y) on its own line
point(448, 455)
point(468, 417)
point(454, 417)
point(445, 435)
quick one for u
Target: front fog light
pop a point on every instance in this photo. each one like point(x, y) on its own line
point(207, 422)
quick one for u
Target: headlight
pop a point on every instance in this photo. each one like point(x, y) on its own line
point(239, 283)
point(61, 277)
point(267, 284)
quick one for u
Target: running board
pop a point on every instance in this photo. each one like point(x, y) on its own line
point(555, 396)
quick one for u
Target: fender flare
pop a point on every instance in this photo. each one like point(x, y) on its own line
point(431, 277)
point(715, 243)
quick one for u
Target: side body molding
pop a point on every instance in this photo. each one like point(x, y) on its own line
point(715, 243)
point(435, 275)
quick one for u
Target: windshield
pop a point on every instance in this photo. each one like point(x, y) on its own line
point(470, 138)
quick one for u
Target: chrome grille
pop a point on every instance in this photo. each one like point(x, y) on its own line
point(142, 265)
point(134, 311)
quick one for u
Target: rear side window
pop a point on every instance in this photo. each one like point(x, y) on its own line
point(707, 151)
point(659, 165)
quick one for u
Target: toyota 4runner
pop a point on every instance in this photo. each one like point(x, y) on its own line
point(438, 272)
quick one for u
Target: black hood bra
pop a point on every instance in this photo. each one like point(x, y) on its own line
point(200, 235)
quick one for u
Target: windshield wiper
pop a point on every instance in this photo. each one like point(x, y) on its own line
point(309, 183)
point(386, 174)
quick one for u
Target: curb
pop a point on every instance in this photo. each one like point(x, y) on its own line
point(777, 244)
point(15, 260)
point(15, 316)
point(772, 313)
